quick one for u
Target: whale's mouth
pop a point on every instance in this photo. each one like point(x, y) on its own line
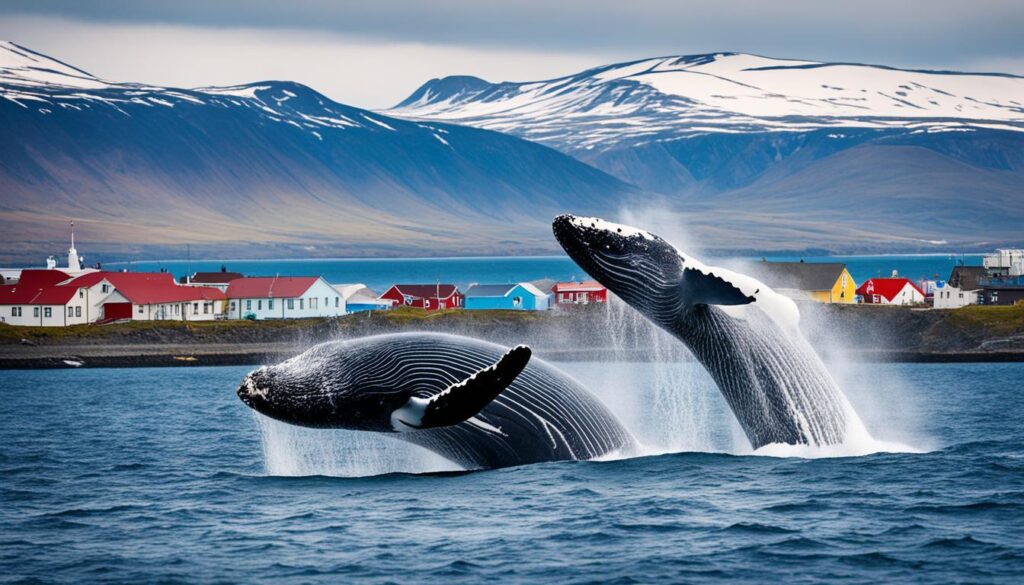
point(636, 265)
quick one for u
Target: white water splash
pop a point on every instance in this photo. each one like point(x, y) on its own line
point(289, 450)
point(667, 400)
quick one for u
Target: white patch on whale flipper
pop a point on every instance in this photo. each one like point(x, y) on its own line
point(464, 399)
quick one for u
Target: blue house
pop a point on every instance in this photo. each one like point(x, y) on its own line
point(523, 296)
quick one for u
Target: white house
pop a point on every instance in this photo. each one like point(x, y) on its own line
point(36, 299)
point(961, 289)
point(890, 291)
point(147, 296)
point(359, 297)
point(283, 297)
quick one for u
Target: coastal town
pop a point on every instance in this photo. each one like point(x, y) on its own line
point(77, 295)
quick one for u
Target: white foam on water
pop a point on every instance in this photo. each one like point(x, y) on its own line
point(289, 450)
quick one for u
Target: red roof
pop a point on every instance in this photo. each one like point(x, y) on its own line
point(141, 288)
point(149, 288)
point(40, 278)
point(426, 291)
point(270, 287)
point(37, 287)
point(585, 286)
point(20, 294)
point(886, 287)
point(89, 279)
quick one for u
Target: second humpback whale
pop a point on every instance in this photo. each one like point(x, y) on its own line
point(743, 332)
point(465, 399)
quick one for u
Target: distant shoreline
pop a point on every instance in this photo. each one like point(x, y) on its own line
point(260, 356)
point(860, 333)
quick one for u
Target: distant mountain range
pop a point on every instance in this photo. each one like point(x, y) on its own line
point(748, 153)
point(837, 152)
point(264, 169)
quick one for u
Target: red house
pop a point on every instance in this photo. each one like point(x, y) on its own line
point(579, 293)
point(890, 291)
point(431, 297)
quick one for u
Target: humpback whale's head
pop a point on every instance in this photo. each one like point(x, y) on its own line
point(325, 387)
point(398, 382)
point(639, 267)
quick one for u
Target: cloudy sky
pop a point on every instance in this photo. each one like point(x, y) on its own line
point(375, 53)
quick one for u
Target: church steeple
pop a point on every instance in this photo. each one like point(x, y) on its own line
point(73, 262)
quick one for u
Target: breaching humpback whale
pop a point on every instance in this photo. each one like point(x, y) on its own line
point(465, 399)
point(744, 333)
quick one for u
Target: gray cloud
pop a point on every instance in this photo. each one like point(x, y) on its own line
point(892, 31)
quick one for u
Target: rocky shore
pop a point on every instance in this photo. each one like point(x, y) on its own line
point(862, 333)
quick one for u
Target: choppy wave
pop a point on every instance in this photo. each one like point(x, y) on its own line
point(114, 476)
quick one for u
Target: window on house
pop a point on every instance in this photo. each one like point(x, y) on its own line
point(71, 311)
point(291, 304)
point(195, 308)
point(270, 304)
point(232, 305)
point(15, 311)
point(81, 293)
point(35, 311)
point(105, 288)
point(177, 309)
point(206, 308)
point(302, 304)
point(327, 303)
point(337, 302)
point(48, 312)
point(313, 302)
point(140, 309)
point(248, 305)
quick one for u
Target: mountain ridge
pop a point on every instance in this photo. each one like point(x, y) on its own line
point(273, 162)
point(732, 128)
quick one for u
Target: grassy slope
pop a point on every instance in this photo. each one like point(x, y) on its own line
point(994, 320)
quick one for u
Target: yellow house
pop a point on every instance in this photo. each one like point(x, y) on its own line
point(825, 282)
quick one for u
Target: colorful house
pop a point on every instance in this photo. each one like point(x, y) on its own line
point(824, 282)
point(587, 292)
point(890, 291)
point(431, 297)
point(523, 296)
point(283, 297)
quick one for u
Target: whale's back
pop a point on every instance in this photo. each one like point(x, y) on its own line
point(544, 415)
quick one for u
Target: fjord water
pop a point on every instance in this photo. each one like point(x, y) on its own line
point(164, 475)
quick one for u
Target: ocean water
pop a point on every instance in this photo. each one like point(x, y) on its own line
point(381, 273)
point(162, 475)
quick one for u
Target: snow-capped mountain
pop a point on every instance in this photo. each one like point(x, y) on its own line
point(830, 151)
point(271, 162)
point(673, 97)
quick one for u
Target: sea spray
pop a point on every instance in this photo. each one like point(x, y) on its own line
point(667, 400)
point(290, 450)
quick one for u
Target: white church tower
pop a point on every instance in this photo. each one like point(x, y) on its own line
point(74, 264)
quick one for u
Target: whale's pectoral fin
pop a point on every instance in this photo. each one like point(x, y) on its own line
point(699, 288)
point(465, 398)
